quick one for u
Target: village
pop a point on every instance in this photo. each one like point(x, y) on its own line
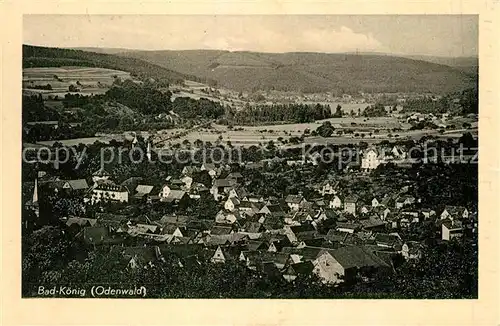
point(336, 230)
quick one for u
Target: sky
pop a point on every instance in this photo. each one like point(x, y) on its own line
point(436, 35)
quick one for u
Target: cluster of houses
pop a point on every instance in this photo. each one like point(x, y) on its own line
point(334, 236)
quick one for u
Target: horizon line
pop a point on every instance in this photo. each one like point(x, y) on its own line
point(252, 51)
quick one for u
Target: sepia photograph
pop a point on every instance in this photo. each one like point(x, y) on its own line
point(249, 156)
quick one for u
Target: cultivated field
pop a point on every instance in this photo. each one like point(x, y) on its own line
point(370, 130)
point(91, 80)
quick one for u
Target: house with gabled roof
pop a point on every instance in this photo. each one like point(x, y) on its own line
point(175, 197)
point(371, 159)
point(411, 250)
point(293, 271)
point(227, 217)
point(272, 222)
point(335, 202)
point(222, 187)
point(190, 170)
point(294, 201)
point(235, 176)
point(350, 203)
point(220, 256)
point(238, 192)
point(386, 240)
point(451, 229)
point(252, 227)
point(231, 203)
point(454, 213)
point(428, 213)
point(173, 229)
point(349, 227)
point(79, 185)
point(387, 201)
point(100, 174)
point(210, 168)
point(399, 153)
point(329, 188)
point(275, 210)
point(108, 191)
point(142, 191)
point(372, 224)
point(99, 235)
point(140, 256)
point(345, 263)
point(179, 220)
point(81, 221)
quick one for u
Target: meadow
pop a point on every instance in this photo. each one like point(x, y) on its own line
point(90, 80)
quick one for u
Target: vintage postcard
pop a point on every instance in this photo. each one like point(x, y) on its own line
point(331, 156)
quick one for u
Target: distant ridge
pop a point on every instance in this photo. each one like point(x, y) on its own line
point(294, 71)
point(313, 72)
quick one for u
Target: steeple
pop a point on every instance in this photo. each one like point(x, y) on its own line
point(35, 193)
point(148, 151)
point(134, 141)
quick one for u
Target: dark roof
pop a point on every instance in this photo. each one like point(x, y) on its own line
point(101, 173)
point(175, 219)
point(348, 225)
point(224, 183)
point(336, 236)
point(169, 228)
point(351, 199)
point(294, 199)
point(454, 210)
point(371, 223)
point(95, 234)
point(144, 255)
point(271, 271)
point(234, 175)
point(81, 221)
point(175, 195)
point(307, 253)
point(182, 250)
point(144, 189)
point(131, 183)
point(254, 245)
point(109, 185)
point(209, 166)
point(302, 228)
point(387, 239)
point(302, 268)
point(112, 217)
point(356, 257)
point(275, 209)
point(189, 169)
point(314, 242)
point(198, 224)
point(220, 230)
point(387, 201)
point(252, 227)
point(273, 222)
point(79, 184)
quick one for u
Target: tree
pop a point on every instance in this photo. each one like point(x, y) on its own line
point(73, 88)
point(326, 129)
point(198, 143)
point(338, 112)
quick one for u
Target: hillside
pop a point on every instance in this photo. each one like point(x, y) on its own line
point(466, 64)
point(311, 72)
point(36, 56)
